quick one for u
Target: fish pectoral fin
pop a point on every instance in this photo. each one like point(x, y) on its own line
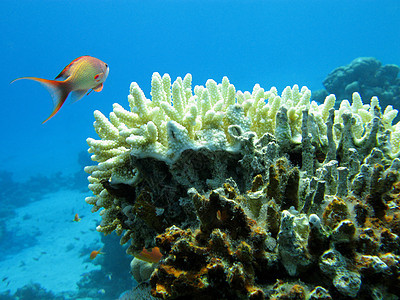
point(77, 95)
point(98, 88)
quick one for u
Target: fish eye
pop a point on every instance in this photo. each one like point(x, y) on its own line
point(106, 65)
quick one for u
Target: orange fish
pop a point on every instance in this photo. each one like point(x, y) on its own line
point(94, 253)
point(222, 216)
point(152, 256)
point(76, 218)
point(81, 75)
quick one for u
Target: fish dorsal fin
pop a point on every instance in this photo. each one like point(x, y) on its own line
point(77, 95)
point(65, 72)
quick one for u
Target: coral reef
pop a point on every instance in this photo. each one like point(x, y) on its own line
point(368, 77)
point(219, 260)
point(252, 195)
point(35, 291)
point(234, 254)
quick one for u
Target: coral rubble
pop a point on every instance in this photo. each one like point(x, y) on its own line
point(252, 195)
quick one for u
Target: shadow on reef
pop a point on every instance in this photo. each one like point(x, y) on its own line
point(231, 256)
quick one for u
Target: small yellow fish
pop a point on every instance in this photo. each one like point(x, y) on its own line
point(81, 75)
point(94, 253)
point(76, 218)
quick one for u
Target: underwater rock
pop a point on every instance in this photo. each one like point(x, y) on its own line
point(366, 76)
point(283, 290)
point(252, 195)
point(139, 292)
point(348, 283)
point(141, 270)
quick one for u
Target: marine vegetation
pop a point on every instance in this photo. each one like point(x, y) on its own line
point(252, 195)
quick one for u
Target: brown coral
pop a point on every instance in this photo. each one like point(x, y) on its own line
point(218, 261)
point(229, 257)
point(335, 212)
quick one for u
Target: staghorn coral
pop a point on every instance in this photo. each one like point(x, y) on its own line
point(252, 195)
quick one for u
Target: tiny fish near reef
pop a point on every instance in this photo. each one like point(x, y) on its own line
point(94, 254)
point(76, 218)
point(82, 74)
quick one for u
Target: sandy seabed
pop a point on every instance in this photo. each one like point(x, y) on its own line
point(60, 255)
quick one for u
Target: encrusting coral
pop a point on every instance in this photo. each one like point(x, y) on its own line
point(252, 195)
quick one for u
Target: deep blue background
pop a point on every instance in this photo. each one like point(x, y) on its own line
point(273, 43)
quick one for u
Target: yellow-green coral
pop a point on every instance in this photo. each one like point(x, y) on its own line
point(150, 126)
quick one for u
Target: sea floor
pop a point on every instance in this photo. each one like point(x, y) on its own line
point(51, 249)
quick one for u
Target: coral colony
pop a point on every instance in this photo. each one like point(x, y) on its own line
point(365, 75)
point(252, 195)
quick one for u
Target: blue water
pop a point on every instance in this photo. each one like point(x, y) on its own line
point(273, 43)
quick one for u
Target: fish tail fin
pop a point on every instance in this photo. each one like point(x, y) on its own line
point(59, 91)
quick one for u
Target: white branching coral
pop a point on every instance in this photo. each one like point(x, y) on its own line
point(177, 117)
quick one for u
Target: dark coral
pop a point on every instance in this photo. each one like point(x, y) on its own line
point(220, 260)
point(242, 243)
point(368, 77)
point(150, 204)
point(335, 212)
point(229, 256)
